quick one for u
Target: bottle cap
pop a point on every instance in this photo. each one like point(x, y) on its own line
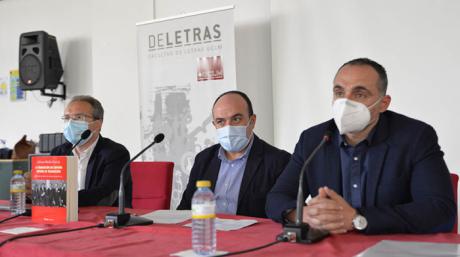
point(203, 183)
point(15, 172)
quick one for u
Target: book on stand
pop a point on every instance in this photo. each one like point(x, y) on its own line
point(54, 189)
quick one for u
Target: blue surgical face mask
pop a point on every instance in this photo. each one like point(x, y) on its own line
point(73, 130)
point(232, 138)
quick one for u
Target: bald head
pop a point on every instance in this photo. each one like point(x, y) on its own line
point(236, 93)
point(235, 109)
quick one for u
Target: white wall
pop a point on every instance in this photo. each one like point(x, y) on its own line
point(97, 42)
point(33, 117)
point(115, 66)
point(416, 40)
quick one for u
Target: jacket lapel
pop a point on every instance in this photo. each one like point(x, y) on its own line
point(332, 174)
point(213, 170)
point(93, 159)
point(254, 159)
point(376, 157)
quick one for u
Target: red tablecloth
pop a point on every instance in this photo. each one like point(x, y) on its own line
point(162, 240)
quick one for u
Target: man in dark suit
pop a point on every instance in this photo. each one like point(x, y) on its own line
point(242, 168)
point(380, 172)
point(100, 159)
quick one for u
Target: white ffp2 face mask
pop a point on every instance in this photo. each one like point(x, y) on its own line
point(351, 116)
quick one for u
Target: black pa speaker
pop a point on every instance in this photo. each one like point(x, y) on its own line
point(39, 61)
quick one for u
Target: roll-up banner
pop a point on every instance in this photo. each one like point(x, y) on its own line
point(185, 62)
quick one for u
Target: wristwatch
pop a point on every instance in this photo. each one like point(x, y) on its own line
point(359, 222)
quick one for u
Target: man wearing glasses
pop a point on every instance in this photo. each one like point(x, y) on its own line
point(242, 168)
point(100, 159)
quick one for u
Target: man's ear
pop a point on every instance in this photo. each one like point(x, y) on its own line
point(386, 100)
point(98, 125)
point(254, 119)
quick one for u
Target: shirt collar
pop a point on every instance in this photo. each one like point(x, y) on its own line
point(222, 157)
point(87, 152)
point(368, 140)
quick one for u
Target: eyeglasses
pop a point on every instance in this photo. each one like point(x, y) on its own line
point(77, 117)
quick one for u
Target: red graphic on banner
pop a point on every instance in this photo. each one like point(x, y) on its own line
point(210, 68)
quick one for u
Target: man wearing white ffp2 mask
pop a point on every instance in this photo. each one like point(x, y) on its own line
point(359, 96)
point(242, 167)
point(380, 172)
point(351, 116)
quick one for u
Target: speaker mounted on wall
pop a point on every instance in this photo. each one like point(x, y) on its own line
point(40, 64)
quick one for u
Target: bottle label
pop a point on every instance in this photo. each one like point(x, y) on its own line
point(18, 188)
point(203, 211)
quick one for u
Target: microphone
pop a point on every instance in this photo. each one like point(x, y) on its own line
point(83, 136)
point(125, 219)
point(299, 231)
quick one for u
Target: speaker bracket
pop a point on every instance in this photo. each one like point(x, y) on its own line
point(63, 95)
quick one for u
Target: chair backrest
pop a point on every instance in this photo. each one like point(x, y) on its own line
point(454, 179)
point(152, 184)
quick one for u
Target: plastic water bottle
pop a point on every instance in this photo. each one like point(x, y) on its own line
point(203, 219)
point(17, 193)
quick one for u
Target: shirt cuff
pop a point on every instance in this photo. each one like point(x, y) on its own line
point(284, 215)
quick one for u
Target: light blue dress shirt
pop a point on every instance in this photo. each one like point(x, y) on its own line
point(228, 183)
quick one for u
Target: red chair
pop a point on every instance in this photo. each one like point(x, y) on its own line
point(152, 184)
point(454, 179)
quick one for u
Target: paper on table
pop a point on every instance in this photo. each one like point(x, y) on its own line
point(408, 249)
point(20, 230)
point(230, 224)
point(168, 216)
point(5, 207)
point(191, 253)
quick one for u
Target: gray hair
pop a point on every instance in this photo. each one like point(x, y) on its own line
point(98, 110)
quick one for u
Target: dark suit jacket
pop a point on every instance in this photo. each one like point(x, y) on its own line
point(264, 165)
point(103, 173)
point(408, 187)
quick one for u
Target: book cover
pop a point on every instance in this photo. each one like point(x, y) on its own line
point(54, 189)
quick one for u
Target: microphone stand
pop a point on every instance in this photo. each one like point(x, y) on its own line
point(123, 218)
point(299, 231)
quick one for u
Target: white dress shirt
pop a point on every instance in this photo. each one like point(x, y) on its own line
point(83, 159)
